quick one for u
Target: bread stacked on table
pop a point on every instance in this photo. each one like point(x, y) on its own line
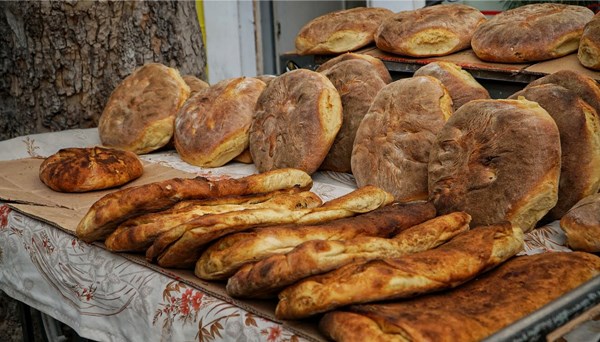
point(589, 47)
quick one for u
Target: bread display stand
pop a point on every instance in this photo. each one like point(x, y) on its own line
point(501, 79)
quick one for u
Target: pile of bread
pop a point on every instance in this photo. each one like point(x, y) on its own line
point(529, 33)
point(449, 181)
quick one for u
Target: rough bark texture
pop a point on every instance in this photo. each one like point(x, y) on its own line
point(59, 61)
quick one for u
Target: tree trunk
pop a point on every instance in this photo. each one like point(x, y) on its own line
point(60, 61)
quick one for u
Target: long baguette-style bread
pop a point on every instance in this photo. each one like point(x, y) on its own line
point(138, 233)
point(181, 246)
point(116, 207)
point(269, 275)
point(464, 257)
point(227, 255)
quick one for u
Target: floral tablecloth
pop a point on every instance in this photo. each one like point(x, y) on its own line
point(105, 297)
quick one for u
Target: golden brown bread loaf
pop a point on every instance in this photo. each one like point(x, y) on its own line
point(109, 211)
point(269, 275)
point(139, 114)
point(195, 84)
point(581, 224)
point(584, 86)
point(589, 46)
point(181, 246)
point(497, 160)
point(244, 157)
point(429, 31)
point(393, 141)
point(459, 260)
point(461, 86)
point(357, 83)
point(376, 63)
point(266, 78)
point(138, 233)
point(340, 31)
point(532, 32)
point(212, 126)
point(87, 169)
point(228, 254)
point(472, 311)
point(579, 128)
point(295, 123)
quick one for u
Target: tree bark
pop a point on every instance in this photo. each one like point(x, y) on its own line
point(60, 60)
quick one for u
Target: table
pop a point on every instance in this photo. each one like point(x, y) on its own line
point(107, 297)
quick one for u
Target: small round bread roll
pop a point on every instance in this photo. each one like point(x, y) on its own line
point(392, 144)
point(340, 31)
point(579, 128)
point(533, 32)
point(212, 127)
point(87, 169)
point(296, 120)
point(459, 83)
point(429, 31)
point(586, 87)
point(581, 224)
point(375, 63)
point(140, 111)
point(195, 84)
point(357, 83)
point(497, 160)
point(589, 46)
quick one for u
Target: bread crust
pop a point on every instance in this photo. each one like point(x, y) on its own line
point(392, 143)
point(429, 31)
point(139, 114)
point(212, 126)
point(91, 168)
point(314, 257)
point(579, 128)
point(581, 224)
point(228, 254)
point(295, 123)
point(357, 83)
point(340, 31)
point(376, 63)
point(195, 84)
point(461, 86)
point(534, 32)
point(109, 211)
point(461, 259)
point(497, 160)
point(589, 46)
point(472, 311)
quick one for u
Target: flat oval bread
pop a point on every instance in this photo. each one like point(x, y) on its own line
point(269, 275)
point(464, 257)
point(228, 254)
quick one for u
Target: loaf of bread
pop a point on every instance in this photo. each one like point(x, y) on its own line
point(376, 63)
point(295, 122)
point(228, 254)
point(579, 128)
point(87, 169)
point(109, 211)
point(589, 46)
point(269, 275)
point(358, 83)
point(534, 32)
point(139, 114)
point(497, 160)
point(392, 144)
point(212, 126)
point(195, 84)
point(139, 233)
point(581, 224)
point(244, 157)
point(463, 258)
point(461, 86)
point(429, 31)
point(340, 31)
point(181, 246)
point(472, 311)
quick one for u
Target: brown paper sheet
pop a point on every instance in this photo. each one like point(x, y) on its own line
point(22, 189)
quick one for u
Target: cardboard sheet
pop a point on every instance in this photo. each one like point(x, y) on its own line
point(22, 189)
